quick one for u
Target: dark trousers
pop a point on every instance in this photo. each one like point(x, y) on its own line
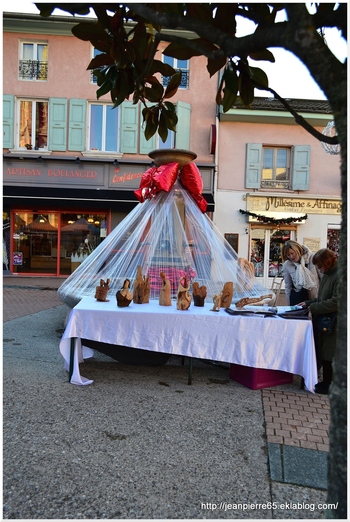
point(298, 297)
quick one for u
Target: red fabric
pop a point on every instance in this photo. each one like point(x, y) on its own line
point(155, 180)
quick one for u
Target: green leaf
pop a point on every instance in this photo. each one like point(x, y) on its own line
point(90, 31)
point(228, 99)
point(246, 90)
point(152, 94)
point(151, 129)
point(179, 51)
point(230, 77)
point(213, 66)
point(259, 76)
point(99, 61)
point(170, 106)
point(163, 68)
point(104, 89)
point(162, 128)
point(170, 118)
point(173, 85)
point(265, 55)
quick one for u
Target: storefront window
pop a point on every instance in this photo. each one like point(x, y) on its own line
point(333, 239)
point(54, 243)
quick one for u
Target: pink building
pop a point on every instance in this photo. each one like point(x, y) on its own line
point(71, 162)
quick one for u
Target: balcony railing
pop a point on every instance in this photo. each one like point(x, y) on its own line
point(184, 79)
point(33, 70)
point(274, 183)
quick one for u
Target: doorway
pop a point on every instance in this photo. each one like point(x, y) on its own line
point(266, 251)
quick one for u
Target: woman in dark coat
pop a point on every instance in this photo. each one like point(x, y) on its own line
point(326, 303)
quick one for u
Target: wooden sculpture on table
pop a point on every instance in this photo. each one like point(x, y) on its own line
point(254, 301)
point(217, 303)
point(226, 295)
point(141, 288)
point(102, 290)
point(124, 296)
point(249, 271)
point(165, 291)
point(183, 294)
point(199, 294)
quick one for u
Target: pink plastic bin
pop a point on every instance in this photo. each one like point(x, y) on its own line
point(257, 378)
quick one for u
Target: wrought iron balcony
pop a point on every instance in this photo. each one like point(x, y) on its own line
point(274, 183)
point(33, 70)
point(184, 79)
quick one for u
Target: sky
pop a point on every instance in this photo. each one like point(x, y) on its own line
point(287, 76)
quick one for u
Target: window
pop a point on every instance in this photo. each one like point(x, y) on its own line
point(33, 122)
point(33, 61)
point(178, 65)
point(275, 171)
point(104, 128)
point(95, 52)
point(277, 167)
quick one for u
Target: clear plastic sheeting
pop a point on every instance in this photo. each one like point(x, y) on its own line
point(167, 233)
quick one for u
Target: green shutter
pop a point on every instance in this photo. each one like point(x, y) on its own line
point(8, 121)
point(253, 165)
point(77, 118)
point(146, 146)
point(58, 124)
point(183, 127)
point(301, 167)
point(129, 127)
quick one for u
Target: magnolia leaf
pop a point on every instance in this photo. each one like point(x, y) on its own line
point(213, 66)
point(152, 94)
point(246, 90)
point(151, 129)
point(162, 128)
point(173, 85)
point(170, 106)
point(99, 61)
point(170, 118)
point(104, 89)
point(90, 31)
point(230, 77)
point(259, 76)
point(163, 68)
point(265, 55)
point(179, 51)
point(228, 99)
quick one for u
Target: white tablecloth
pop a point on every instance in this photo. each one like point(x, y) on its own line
point(256, 341)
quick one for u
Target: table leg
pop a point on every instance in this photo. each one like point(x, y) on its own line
point(189, 370)
point(71, 358)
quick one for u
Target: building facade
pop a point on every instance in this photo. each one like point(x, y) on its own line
point(71, 163)
point(276, 182)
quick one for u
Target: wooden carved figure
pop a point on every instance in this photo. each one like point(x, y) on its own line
point(226, 295)
point(248, 270)
point(217, 303)
point(141, 288)
point(199, 294)
point(165, 291)
point(102, 290)
point(183, 294)
point(124, 296)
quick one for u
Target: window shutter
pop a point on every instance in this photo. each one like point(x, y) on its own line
point(8, 121)
point(77, 118)
point(183, 111)
point(253, 165)
point(58, 124)
point(301, 167)
point(146, 146)
point(129, 127)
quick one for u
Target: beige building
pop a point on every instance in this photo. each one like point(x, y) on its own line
point(276, 182)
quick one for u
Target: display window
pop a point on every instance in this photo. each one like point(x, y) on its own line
point(54, 242)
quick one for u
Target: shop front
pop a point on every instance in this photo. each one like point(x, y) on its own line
point(273, 220)
point(56, 211)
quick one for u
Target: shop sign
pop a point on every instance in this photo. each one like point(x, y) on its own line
point(293, 205)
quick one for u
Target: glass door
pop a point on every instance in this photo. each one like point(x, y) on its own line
point(265, 252)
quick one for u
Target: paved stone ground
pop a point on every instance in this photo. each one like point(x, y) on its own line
point(296, 421)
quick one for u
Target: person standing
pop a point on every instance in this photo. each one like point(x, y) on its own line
point(326, 304)
point(301, 278)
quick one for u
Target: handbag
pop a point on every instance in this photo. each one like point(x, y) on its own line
point(325, 323)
